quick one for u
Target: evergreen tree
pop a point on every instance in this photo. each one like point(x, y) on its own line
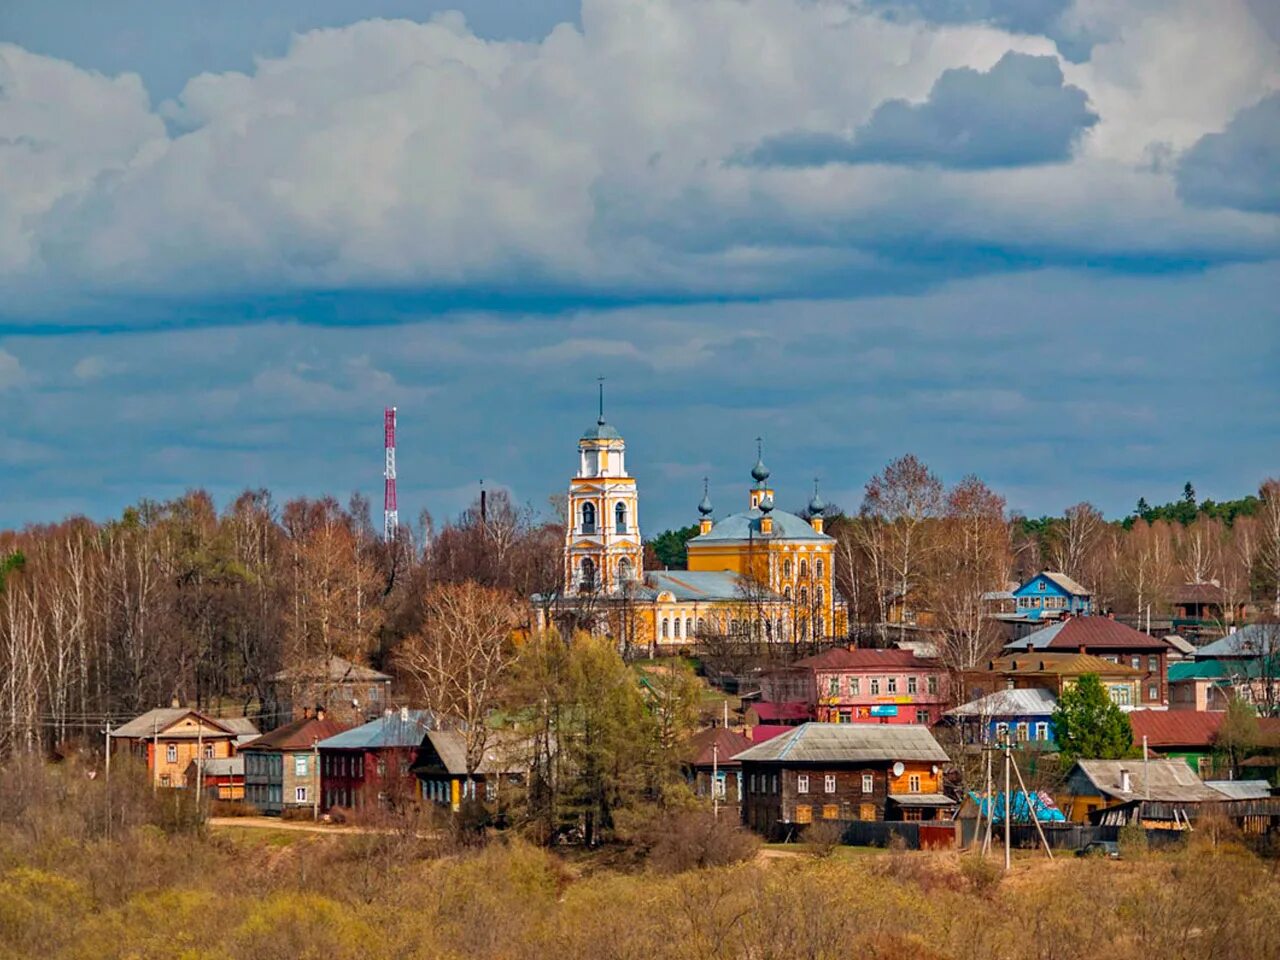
point(1087, 724)
point(669, 546)
point(12, 562)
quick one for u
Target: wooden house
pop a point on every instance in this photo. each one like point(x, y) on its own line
point(172, 739)
point(827, 771)
point(1049, 596)
point(1093, 785)
point(875, 686)
point(349, 692)
point(710, 766)
point(1023, 715)
point(370, 765)
point(223, 778)
point(281, 767)
point(1053, 673)
point(440, 764)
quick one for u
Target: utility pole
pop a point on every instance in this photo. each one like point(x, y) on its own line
point(199, 761)
point(315, 763)
point(1008, 819)
point(155, 753)
point(108, 777)
point(991, 804)
point(1146, 770)
point(715, 781)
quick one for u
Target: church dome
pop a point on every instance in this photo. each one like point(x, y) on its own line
point(704, 505)
point(760, 473)
point(601, 431)
point(817, 506)
point(766, 505)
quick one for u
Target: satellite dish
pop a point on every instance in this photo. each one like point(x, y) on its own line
point(934, 769)
point(898, 769)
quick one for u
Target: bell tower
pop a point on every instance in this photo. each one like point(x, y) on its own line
point(603, 552)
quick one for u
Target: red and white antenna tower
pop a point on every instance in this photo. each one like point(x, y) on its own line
point(390, 516)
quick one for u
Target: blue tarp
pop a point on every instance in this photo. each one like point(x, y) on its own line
point(1046, 810)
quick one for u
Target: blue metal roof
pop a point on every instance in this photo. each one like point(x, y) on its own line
point(391, 730)
point(746, 526)
point(1250, 641)
point(601, 431)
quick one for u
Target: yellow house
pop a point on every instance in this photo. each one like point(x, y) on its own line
point(173, 739)
point(761, 573)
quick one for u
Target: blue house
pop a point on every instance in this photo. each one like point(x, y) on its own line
point(1024, 716)
point(1051, 596)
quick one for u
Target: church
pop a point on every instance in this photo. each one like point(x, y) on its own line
point(760, 574)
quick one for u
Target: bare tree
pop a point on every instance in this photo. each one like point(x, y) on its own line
point(1269, 538)
point(1076, 539)
point(458, 659)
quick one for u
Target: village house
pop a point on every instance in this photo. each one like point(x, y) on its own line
point(1093, 785)
point(1023, 715)
point(855, 771)
point(350, 693)
point(440, 765)
point(223, 777)
point(1203, 606)
point(1054, 673)
point(1110, 640)
point(281, 767)
point(1050, 596)
point(710, 766)
point(174, 739)
point(875, 686)
point(370, 765)
point(1187, 735)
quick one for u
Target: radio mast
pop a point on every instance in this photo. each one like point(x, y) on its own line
point(390, 516)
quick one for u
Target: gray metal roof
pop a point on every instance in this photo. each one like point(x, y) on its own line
point(157, 721)
point(702, 585)
point(1034, 701)
point(333, 670)
point(601, 431)
point(923, 800)
point(746, 526)
point(1171, 780)
point(1241, 789)
point(848, 743)
point(1255, 640)
point(452, 750)
point(224, 767)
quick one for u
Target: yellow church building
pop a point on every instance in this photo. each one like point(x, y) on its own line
point(760, 574)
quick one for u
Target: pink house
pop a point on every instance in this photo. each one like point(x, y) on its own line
point(876, 686)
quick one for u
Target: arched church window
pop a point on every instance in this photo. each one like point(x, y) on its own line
point(624, 570)
point(688, 627)
point(818, 631)
point(699, 624)
point(804, 569)
point(786, 591)
point(588, 518)
point(804, 596)
point(817, 568)
point(588, 568)
point(620, 517)
point(666, 628)
point(818, 594)
point(786, 569)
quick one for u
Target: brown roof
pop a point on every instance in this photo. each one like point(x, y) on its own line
point(298, 735)
point(862, 658)
point(332, 670)
point(701, 744)
point(1059, 664)
point(767, 710)
point(1175, 728)
point(1198, 593)
point(1092, 633)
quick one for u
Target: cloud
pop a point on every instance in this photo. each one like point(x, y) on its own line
point(1239, 167)
point(12, 375)
point(1019, 112)
point(386, 168)
point(1052, 18)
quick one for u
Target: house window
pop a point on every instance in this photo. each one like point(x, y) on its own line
point(913, 783)
point(776, 781)
point(164, 779)
point(1042, 731)
point(620, 518)
point(922, 717)
point(1002, 731)
point(1110, 658)
point(833, 687)
point(893, 684)
point(1153, 664)
point(802, 783)
point(875, 685)
point(300, 794)
point(1120, 696)
point(913, 685)
point(868, 783)
point(1040, 586)
point(491, 790)
point(752, 783)
point(375, 693)
point(208, 751)
point(913, 813)
point(382, 767)
point(855, 686)
point(846, 716)
point(866, 811)
point(1021, 732)
point(829, 783)
point(932, 685)
point(1153, 691)
point(171, 752)
point(299, 764)
point(1136, 663)
point(588, 518)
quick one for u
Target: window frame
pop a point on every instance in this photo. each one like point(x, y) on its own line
point(802, 783)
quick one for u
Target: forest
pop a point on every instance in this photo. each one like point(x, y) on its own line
point(183, 600)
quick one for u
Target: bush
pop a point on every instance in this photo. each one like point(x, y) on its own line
point(233, 808)
point(686, 839)
point(824, 837)
point(1133, 840)
point(982, 875)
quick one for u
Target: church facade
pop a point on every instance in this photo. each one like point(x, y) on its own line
point(761, 574)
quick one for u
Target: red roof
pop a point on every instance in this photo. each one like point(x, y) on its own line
point(863, 658)
point(767, 731)
point(298, 735)
point(730, 742)
point(1175, 728)
point(791, 710)
point(1198, 593)
point(1095, 633)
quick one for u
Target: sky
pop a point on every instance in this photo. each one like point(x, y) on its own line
point(1033, 240)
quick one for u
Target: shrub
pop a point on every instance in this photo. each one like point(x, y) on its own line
point(982, 875)
point(1133, 840)
point(824, 837)
point(682, 840)
point(233, 808)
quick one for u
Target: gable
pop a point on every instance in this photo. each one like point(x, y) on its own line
point(192, 726)
point(1040, 586)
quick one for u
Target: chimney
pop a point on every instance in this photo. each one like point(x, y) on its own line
point(175, 703)
point(1126, 785)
